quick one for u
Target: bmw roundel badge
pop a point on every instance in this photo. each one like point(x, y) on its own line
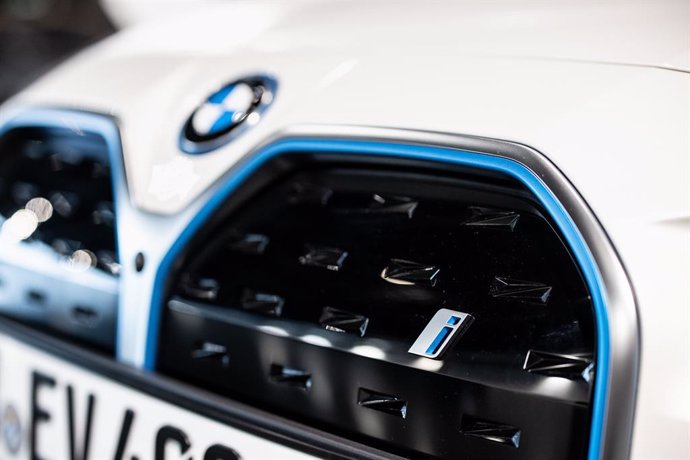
point(226, 113)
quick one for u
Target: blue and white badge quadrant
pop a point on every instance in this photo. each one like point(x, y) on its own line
point(223, 109)
point(439, 333)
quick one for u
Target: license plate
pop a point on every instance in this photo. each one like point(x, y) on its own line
point(51, 409)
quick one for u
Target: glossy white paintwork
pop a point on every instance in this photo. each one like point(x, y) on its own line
point(601, 88)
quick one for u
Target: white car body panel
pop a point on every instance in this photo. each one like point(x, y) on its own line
point(601, 89)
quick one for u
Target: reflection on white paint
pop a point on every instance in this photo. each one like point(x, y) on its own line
point(72, 125)
point(338, 72)
point(174, 179)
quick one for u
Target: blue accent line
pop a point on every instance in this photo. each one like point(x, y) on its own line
point(439, 340)
point(453, 320)
point(416, 152)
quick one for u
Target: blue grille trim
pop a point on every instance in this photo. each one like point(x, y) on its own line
point(427, 153)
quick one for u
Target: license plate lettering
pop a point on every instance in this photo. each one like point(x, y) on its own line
point(38, 414)
point(79, 437)
point(52, 409)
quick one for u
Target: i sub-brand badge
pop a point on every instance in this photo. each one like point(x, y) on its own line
point(439, 333)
